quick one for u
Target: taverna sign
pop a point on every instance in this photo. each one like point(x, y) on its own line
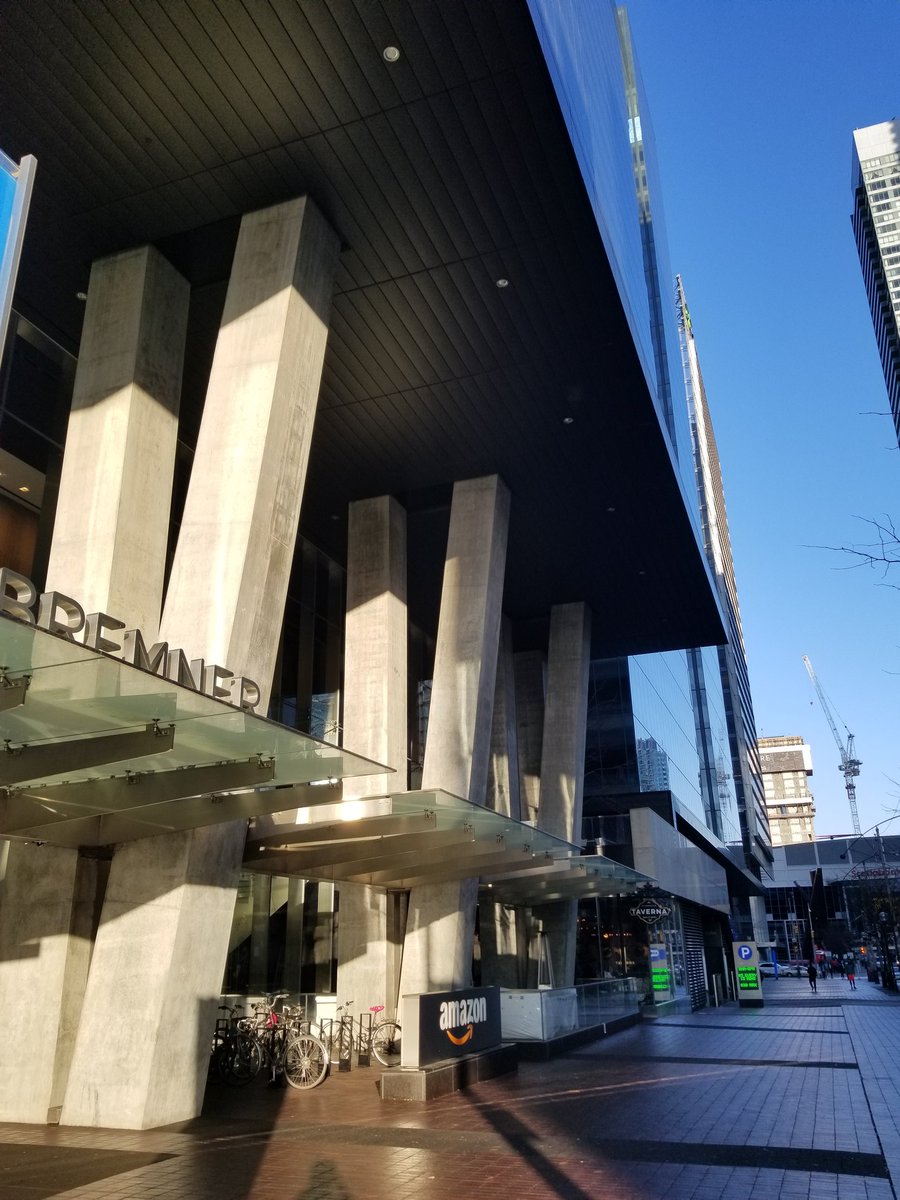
point(61, 615)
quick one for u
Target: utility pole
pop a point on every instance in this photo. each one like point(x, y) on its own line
point(850, 764)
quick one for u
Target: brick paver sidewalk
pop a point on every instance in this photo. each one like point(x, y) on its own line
point(795, 1100)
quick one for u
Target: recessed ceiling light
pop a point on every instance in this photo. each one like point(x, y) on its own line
point(390, 54)
point(23, 488)
point(642, 572)
point(502, 282)
point(610, 508)
point(568, 420)
point(82, 296)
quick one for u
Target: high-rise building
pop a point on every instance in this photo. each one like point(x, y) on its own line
point(786, 764)
point(732, 660)
point(876, 223)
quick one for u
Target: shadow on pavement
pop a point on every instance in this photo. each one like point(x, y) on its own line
point(522, 1141)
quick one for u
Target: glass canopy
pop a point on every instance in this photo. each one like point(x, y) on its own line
point(99, 751)
point(407, 839)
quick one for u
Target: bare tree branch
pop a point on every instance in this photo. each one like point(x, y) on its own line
point(880, 554)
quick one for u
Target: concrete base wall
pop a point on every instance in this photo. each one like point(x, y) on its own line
point(428, 1083)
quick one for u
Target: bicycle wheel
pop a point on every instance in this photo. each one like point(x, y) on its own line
point(305, 1061)
point(240, 1060)
point(386, 1043)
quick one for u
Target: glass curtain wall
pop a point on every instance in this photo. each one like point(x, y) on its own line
point(36, 380)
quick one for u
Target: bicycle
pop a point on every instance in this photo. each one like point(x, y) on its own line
point(285, 1045)
point(382, 1038)
point(234, 1057)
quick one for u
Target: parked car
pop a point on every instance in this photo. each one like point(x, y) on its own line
point(767, 970)
point(796, 966)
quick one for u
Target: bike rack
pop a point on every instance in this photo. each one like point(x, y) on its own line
point(364, 1041)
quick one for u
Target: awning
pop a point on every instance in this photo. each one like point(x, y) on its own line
point(96, 751)
point(578, 877)
point(405, 839)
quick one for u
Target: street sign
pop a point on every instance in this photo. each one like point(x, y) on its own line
point(660, 975)
point(746, 968)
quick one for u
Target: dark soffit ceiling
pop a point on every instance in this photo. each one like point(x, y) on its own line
point(442, 173)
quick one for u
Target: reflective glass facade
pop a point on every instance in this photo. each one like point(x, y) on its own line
point(717, 783)
point(727, 677)
point(876, 224)
point(609, 124)
point(575, 38)
point(664, 726)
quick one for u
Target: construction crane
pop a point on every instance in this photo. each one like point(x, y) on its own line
point(850, 764)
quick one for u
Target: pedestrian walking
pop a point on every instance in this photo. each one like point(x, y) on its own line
point(851, 976)
point(812, 973)
point(841, 967)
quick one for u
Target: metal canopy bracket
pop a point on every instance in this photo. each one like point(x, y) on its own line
point(12, 691)
point(37, 809)
point(27, 762)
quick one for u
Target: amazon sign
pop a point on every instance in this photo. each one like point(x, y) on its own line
point(441, 1025)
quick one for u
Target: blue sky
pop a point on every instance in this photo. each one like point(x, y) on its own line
point(753, 105)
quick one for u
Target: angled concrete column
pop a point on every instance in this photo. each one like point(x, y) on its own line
point(562, 763)
point(160, 950)
point(375, 725)
point(497, 922)
point(112, 517)
point(232, 563)
point(503, 773)
point(529, 672)
point(46, 901)
point(440, 925)
point(108, 552)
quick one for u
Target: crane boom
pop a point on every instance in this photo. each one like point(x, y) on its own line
point(850, 764)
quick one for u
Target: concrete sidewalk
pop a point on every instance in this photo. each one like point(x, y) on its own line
point(797, 1099)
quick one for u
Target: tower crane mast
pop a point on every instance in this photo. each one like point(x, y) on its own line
point(850, 764)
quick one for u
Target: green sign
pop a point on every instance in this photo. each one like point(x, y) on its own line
point(748, 979)
point(661, 978)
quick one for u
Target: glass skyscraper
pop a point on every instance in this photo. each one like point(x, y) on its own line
point(876, 224)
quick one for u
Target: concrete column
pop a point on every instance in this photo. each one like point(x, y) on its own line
point(503, 771)
point(112, 517)
point(46, 911)
point(108, 552)
point(565, 721)
point(375, 725)
point(160, 950)
point(441, 920)
point(562, 763)
point(529, 672)
point(232, 563)
point(261, 889)
point(293, 936)
point(497, 922)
